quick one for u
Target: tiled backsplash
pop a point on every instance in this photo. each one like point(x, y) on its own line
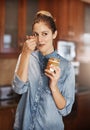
point(7, 67)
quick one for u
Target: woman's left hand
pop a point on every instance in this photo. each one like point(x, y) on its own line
point(54, 74)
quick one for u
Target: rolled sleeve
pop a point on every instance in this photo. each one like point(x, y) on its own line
point(19, 86)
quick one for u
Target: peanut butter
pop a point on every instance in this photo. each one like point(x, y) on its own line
point(53, 61)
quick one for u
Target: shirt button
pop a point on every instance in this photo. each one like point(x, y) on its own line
point(40, 82)
point(37, 98)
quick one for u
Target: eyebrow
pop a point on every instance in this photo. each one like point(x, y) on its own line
point(41, 32)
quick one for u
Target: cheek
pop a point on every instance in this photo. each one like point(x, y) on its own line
point(49, 38)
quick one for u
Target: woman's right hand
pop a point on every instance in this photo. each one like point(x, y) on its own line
point(29, 45)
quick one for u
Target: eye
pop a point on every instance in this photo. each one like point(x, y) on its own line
point(45, 34)
point(35, 34)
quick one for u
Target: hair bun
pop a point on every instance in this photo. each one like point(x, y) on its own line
point(43, 12)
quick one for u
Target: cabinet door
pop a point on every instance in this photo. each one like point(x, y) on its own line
point(7, 116)
point(12, 26)
point(76, 20)
point(9, 26)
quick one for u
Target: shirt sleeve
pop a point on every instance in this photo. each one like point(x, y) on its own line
point(17, 84)
point(68, 90)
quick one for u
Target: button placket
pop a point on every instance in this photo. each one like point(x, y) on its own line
point(37, 98)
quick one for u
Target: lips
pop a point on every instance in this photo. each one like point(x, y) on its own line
point(41, 45)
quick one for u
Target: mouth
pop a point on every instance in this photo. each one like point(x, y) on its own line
point(41, 45)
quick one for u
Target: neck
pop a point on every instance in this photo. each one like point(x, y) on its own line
point(49, 51)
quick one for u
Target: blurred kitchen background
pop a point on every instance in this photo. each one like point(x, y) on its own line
point(73, 42)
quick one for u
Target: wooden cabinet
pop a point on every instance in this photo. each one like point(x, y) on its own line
point(12, 26)
point(7, 116)
point(12, 22)
point(79, 119)
point(76, 20)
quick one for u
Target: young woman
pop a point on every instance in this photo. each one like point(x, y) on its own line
point(47, 95)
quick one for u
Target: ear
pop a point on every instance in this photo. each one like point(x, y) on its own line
point(55, 34)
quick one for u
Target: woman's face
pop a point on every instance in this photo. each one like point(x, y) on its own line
point(44, 37)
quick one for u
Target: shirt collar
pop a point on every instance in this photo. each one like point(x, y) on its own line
point(41, 57)
point(53, 54)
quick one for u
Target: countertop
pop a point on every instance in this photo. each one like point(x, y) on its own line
point(9, 103)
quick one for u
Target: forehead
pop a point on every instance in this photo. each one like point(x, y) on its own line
point(41, 26)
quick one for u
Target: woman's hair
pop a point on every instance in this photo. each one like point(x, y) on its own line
point(45, 16)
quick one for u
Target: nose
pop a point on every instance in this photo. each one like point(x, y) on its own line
point(40, 38)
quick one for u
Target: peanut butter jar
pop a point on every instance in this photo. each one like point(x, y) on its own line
point(53, 61)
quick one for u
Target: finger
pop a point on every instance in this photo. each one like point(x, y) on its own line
point(49, 73)
point(27, 37)
point(30, 41)
point(51, 70)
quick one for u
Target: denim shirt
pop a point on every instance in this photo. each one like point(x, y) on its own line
point(36, 109)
